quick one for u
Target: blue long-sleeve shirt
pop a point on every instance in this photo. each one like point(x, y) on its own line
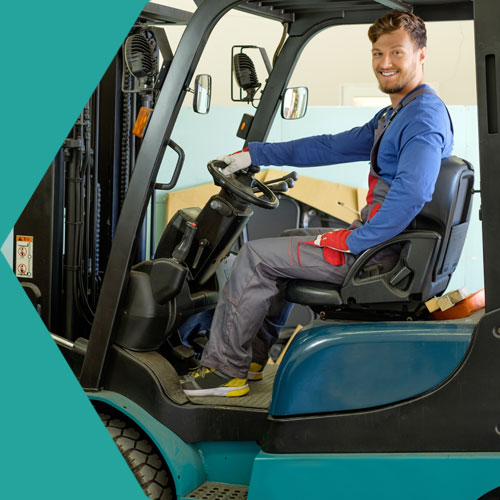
point(409, 158)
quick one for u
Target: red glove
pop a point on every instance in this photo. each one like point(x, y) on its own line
point(334, 245)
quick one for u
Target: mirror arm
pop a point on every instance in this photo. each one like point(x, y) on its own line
point(267, 62)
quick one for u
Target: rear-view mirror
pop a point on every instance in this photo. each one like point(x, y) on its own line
point(294, 103)
point(202, 94)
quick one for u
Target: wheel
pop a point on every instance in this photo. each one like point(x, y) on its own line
point(241, 185)
point(142, 458)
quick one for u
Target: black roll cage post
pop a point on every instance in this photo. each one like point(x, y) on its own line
point(486, 15)
point(142, 183)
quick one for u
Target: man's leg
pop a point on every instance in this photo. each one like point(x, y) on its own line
point(279, 311)
point(260, 267)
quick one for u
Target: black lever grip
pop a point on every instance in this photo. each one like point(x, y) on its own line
point(288, 178)
point(276, 187)
point(182, 250)
point(279, 187)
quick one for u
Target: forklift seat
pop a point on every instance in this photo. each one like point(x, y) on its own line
point(429, 253)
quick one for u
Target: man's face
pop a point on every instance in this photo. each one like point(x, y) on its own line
point(398, 63)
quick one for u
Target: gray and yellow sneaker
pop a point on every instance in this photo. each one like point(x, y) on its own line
point(256, 371)
point(210, 382)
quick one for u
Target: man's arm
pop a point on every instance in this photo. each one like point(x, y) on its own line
point(351, 145)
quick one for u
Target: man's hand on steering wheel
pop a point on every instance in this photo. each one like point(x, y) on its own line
point(236, 161)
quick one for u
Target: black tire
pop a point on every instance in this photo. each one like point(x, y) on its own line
point(142, 458)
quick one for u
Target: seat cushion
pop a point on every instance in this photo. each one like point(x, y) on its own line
point(313, 293)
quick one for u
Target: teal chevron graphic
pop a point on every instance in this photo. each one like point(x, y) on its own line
point(53, 444)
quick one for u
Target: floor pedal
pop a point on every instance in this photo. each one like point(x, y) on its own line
point(219, 491)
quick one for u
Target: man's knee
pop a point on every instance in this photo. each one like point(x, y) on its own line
point(256, 249)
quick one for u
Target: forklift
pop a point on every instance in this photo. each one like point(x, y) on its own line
point(372, 398)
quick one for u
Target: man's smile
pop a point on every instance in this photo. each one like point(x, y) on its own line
point(388, 73)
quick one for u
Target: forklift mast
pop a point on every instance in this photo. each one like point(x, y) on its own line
point(72, 218)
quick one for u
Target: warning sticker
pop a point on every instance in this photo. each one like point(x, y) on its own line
point(27, 239)
point(24, 256)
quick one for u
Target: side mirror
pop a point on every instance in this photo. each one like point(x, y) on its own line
point(202, 94)
point(294, 103)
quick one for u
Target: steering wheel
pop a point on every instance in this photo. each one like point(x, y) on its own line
point(241, 185)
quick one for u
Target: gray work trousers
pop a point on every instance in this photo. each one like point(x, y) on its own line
point(251, 301)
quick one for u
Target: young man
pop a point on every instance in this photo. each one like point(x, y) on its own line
point(405, 144)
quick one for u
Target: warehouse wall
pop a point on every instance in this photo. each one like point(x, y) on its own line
point(337, 57)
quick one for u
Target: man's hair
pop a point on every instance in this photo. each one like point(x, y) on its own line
point(395, 20)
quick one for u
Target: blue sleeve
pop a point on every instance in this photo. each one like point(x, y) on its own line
point(319, 150)
point(423, 143)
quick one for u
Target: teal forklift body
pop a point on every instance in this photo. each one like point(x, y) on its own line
point(437, 476)
point(461, 476)
point(348, 366)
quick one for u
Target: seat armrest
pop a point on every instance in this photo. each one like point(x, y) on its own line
point(407, 280)
point(406, 236)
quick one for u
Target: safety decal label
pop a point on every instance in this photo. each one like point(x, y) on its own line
point(24, 256)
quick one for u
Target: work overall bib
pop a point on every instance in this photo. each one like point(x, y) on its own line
point(377, 186)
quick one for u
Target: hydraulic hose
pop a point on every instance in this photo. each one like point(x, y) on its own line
point(72, 203)
point(125, 138)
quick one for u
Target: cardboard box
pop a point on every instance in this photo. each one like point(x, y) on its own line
point(432, 304)
point(338, 200)
point(190, 197)
point(446, 301)
point(457, 296)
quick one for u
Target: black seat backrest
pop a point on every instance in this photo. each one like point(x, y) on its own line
point(448, 212)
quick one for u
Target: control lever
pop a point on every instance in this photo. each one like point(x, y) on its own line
point(282, 184)
point(182, 250)
point(203, 243)
point(289, 179)
point(278, 187)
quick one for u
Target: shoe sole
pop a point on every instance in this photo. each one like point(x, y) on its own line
point(254, 377)
point(228, 392)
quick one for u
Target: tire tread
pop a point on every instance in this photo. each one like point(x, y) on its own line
point(142, 458)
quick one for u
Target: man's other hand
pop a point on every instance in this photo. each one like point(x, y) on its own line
point(236, 161)
point(334, 245)
point(336, 240)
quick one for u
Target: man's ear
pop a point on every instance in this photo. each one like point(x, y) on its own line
point(422, 53)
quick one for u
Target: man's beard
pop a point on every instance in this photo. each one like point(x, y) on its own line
point(392, 90)
point(398, 87)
